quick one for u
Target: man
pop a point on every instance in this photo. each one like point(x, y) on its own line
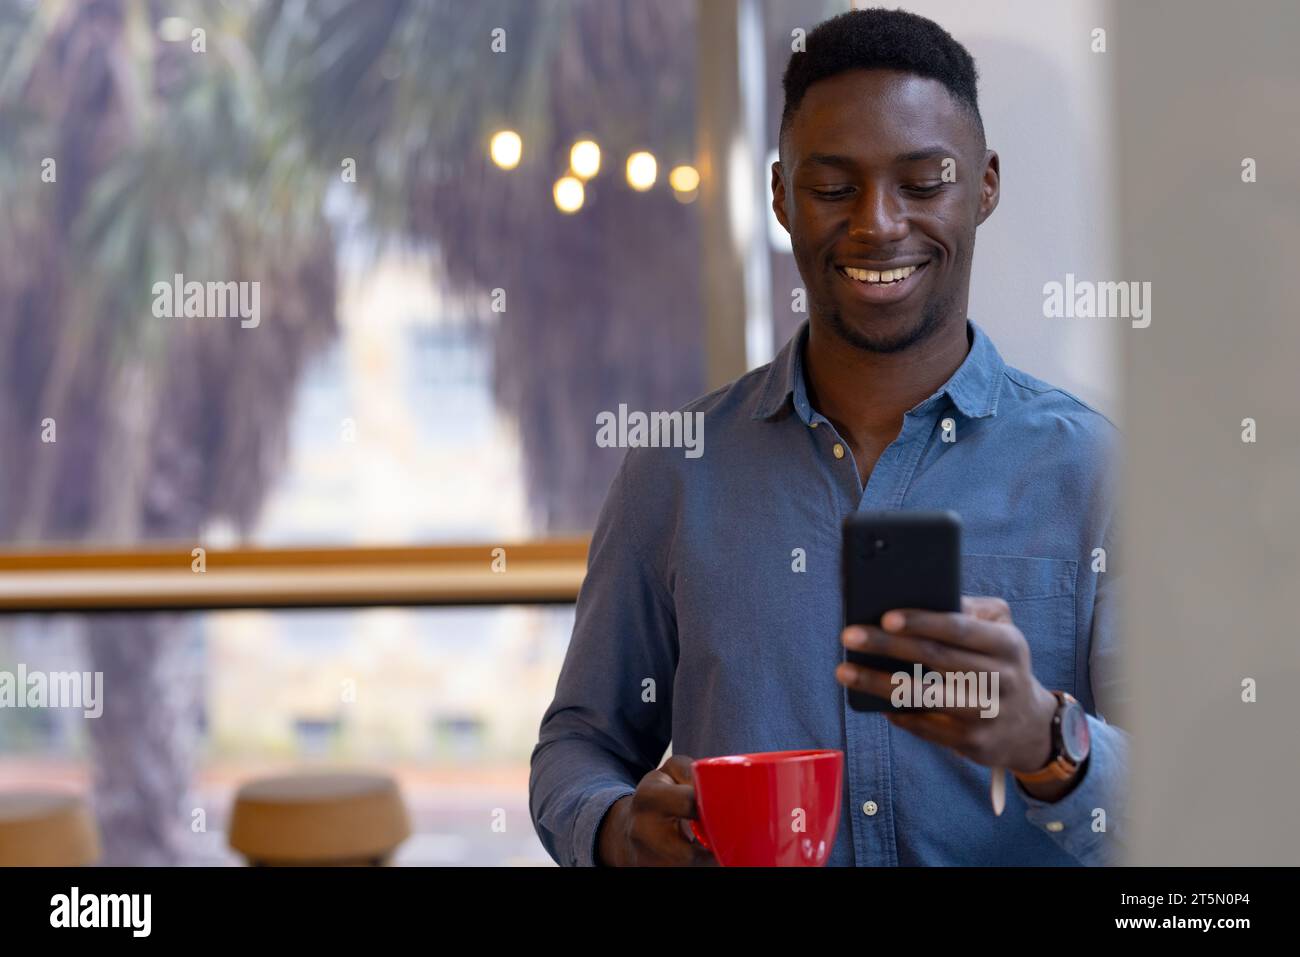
point(711, 615)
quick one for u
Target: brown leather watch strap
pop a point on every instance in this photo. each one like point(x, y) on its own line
point(1059, 768)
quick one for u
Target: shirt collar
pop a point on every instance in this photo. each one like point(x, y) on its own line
point(973, 388)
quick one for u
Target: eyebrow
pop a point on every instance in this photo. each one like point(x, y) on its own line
point(845, 162)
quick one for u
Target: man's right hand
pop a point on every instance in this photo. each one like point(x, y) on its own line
point(649, 827)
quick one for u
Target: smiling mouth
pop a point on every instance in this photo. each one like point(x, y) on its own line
point(882, 287)
point(886, 277)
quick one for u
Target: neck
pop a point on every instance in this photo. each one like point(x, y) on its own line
point(866, 394)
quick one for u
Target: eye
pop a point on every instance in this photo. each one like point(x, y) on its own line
point(833, 194)
point(929, 190)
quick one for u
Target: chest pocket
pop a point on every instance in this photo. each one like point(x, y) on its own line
point(1040, 593)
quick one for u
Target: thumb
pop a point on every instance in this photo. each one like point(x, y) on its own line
point(678, 767)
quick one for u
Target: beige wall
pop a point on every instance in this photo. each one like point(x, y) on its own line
point(1214, 524)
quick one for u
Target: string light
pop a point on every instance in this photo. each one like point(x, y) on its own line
point(584, 159)
point(641, 171)
point(569, 194)
point(685, 181)
point(506, 149)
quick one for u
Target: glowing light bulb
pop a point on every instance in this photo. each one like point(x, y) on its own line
point(584, 159)
point(641, 171)
point(506, 149)
point(569, 194)
point(685, 181)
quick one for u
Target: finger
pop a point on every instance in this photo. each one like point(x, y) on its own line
point(985, 607)
point(668, 798)
point(679, 768)
point(896, 688)
point(853, 636)
point(703, 857)
point(662, 844)
point(937, 728)
point(864, 680)
point(935, 655)
point(873, 681)
point(694, 855)
point(703, 854)
point(951, 628)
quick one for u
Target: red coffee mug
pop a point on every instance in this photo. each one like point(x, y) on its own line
point(773, 809)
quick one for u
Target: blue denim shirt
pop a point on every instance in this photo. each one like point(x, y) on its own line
point(693, 584)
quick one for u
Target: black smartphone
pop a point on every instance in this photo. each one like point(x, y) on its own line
point(897, 559)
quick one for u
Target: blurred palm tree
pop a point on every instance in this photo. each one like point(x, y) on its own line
point(601, 307)
point(219, 165)
point(165, 161)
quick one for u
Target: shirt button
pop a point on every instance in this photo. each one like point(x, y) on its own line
point(838, 450)
point(812, 425)
point(1055, 826)
point(870, 809)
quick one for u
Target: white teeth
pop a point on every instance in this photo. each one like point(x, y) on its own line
point(871, 276)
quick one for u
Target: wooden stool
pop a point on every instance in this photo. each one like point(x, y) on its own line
point(46, 829)
point(319, 819)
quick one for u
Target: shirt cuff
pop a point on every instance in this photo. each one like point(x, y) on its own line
point(1085, 822)
point(587, 827)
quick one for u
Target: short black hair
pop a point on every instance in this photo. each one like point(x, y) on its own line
point(882, 40)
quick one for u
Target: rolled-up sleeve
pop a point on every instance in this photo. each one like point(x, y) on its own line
point(1089, 823)
point(610, 721)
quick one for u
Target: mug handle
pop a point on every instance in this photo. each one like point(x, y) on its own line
point(698, 830)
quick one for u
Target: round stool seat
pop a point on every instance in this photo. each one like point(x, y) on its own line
point(318, 818)
point(46, 829)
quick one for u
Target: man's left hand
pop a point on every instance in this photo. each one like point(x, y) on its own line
point(980, 638)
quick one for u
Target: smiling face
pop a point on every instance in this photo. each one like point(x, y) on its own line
point(882, 238)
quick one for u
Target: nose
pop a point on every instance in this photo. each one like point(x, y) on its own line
point(877, 217)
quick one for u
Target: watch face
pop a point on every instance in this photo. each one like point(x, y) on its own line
point(1075, 738)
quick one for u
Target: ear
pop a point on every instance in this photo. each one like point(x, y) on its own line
point(778, 195)
point(990, 187)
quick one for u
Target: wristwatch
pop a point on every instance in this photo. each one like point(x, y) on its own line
point(1071, 743)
